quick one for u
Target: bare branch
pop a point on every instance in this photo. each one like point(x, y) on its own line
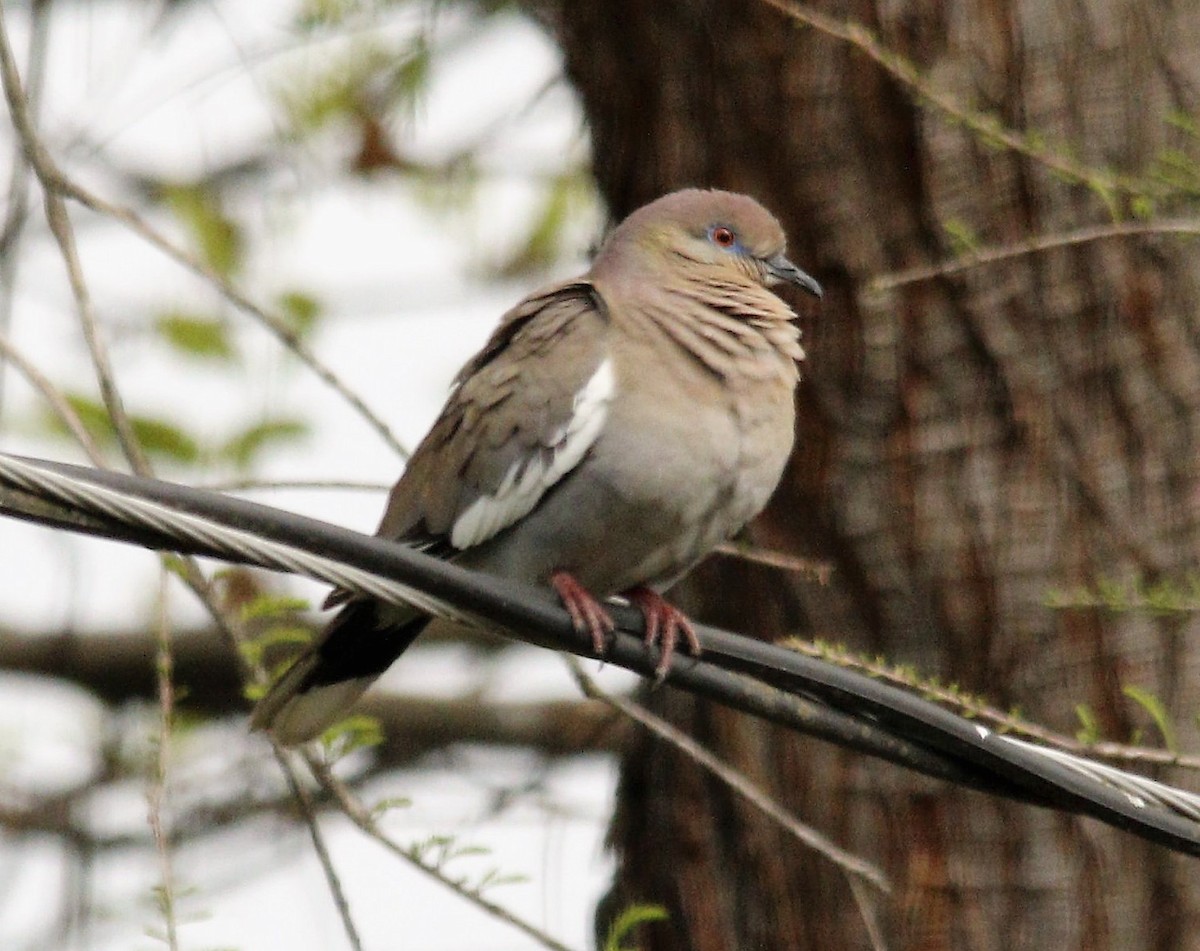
point(365, 820)
point(819, 571)
point(979, 709)
point(301, 796)
point(851, 864)
point(1050, 242)
point(18, 189)
point(157, 792)
point(60, 226)
point(58, 186)
point(53, 396)
point(207, 675)
point(986, 127)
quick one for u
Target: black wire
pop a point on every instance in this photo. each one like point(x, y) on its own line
point(530, 612)
point(1042, 780)
point(808, 694)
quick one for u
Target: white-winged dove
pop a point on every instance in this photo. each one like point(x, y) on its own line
point(612, 431)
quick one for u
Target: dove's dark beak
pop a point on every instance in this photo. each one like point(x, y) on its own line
point(780, 268)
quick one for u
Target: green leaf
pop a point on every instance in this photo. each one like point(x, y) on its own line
point(1158, 713)
point(254, 649)
point(990, 131)
point(273, 606)
point(1057, 599)
point(325, 13)
point(1112, 594)
point(495, 876)
point(196, 336)
point(1142, 207)
point(174, 564)
point(160, 438)
point(353, 733)
point(385, 806)
point(92, 414)
point(541, 245)
point(282, 609)
point(157, 436)
point(1089, 726)
point(411, 73)
point(300, 309)
point(1164, 597)
point(217, 238)
point(1184, 121)
point(242, 448)
point(256, 691)
point(1037, 142)
point(313, 100)
point(631, 918)
point(963, 239)
point(1105, 190)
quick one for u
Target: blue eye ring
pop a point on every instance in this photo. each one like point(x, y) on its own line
point(722, 236)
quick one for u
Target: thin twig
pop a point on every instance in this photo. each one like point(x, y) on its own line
point(57, 186)
point(362, 817)
point(157, 793)
point(1006, 252)
point(819, 571)
point(978, 709)
point(772, 558)
point(60, 226)
point(54, 397)
point(54, 184)
point(18, 188)
point(280, 327)
point(867, 911)
point(247, 485)
point(987, 127)
point(850, 864)
point(300, 794)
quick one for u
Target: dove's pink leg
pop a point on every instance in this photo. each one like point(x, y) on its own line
point(664, 623)
point(587, 613)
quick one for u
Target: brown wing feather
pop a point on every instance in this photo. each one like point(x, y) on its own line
point(509, 403)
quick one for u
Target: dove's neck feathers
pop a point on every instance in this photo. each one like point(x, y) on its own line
point(719, 312)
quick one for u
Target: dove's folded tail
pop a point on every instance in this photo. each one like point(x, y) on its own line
point(321, 685)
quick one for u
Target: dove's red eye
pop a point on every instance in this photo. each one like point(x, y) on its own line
point(724, 237)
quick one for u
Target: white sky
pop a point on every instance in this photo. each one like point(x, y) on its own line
point(402, 282)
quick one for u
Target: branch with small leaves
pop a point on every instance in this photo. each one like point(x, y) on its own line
point(1172, 176)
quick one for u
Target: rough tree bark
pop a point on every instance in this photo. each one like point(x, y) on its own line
point(964, 446)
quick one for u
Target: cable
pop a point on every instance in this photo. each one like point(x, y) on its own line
point(804, 693)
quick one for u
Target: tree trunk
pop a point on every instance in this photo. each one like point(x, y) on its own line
point(965, 445)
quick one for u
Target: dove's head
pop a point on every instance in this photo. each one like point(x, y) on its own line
point(717, 234)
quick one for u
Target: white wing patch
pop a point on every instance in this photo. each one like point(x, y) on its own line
point(527, 479)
